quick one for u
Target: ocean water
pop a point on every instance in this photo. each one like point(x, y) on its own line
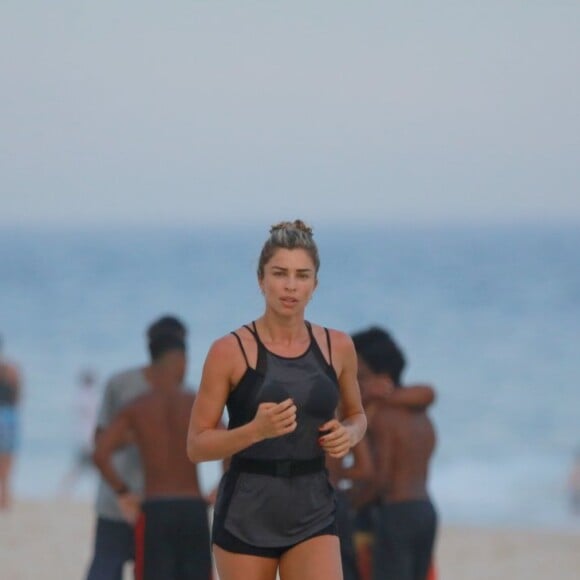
point(489, 316)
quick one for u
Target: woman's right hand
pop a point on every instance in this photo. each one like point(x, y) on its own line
point(275, 419)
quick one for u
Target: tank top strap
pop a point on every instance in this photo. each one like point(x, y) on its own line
point(262, 355)
point(316, 346)
point(327, 332)
point(253, 330)
point(241, 347)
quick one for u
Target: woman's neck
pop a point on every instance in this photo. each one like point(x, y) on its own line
point(276, 330)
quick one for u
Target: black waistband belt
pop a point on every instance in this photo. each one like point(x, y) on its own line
point(278, 467)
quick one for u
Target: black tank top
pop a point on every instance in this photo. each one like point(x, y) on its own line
point(308, 379)
point(270, 511)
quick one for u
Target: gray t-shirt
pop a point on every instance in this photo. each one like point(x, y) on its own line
point(121, 389)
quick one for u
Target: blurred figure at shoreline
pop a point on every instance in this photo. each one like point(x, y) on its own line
point(401, 520)
point(114, 543)
point(574, 484)
point(10, 397)
point(85, 409)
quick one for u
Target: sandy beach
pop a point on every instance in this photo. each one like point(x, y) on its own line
point(52, 540)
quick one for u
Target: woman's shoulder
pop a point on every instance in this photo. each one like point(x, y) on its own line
point(339, 339)
point(228, 343)
point(222, 345)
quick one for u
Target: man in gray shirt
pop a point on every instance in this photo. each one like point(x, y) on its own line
point(114, 535)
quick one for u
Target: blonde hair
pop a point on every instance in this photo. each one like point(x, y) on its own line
point(290, 236)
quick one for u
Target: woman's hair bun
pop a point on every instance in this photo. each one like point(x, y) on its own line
point(295, 225)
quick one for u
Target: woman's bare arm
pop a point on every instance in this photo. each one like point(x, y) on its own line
point(346, 433)
point(206, 441)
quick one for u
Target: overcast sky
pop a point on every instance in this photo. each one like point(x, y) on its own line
point(186, 112)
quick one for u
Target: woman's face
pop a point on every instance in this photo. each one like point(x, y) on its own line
point(289, 280)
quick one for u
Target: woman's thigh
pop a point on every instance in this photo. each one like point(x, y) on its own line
point(312, 559)
point(233, 566)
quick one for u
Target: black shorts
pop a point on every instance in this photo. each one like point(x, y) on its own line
point(274, 469)
point(229, 542)
point(172, 540)
point(405, 540)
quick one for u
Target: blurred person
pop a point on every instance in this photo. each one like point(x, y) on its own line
point(362, 496)
point(402, 439)
point(282, 379)
point(85, 408)
point(356, 466)
point(10, 397)
point(172, 534)
point(114, 543)
point(574, 484)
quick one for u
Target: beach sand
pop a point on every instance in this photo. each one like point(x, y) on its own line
point(52, 540)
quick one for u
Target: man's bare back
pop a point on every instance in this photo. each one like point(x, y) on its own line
point(404, 440)
point(159, 422)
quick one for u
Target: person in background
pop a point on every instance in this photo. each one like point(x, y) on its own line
point(10, 397)
point(85, 408)
point(361, 495)
point(283, 380)
point(114, 543)
point(574, 484)
point(402, 440)
point(357, 466)
point(356, 469)
point(172, 534)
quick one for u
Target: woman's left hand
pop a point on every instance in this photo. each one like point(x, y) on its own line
point(336, 439)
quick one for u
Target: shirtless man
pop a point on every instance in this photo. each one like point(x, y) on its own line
point(172, 534)
point(402, 440)
point(114, 539)
point(356, 499)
